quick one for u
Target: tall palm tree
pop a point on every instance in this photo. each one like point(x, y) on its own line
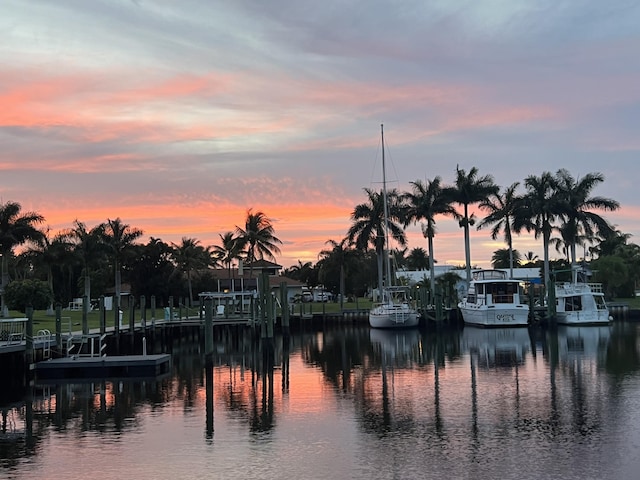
point(189, 255)
point(119, 238)
point(501, 208)
point(258, 237)
point(228, 251)
point(425, 202)
point(16, 228)
point(368, 226)
point(469, 189)
point(88, 246)
point(539, 208)
point(576, 209)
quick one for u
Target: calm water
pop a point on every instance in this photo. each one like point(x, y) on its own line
point(350, 403)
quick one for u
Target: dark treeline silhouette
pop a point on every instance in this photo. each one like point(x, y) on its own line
point(556, 208)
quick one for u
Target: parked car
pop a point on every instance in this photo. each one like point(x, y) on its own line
point(323, 297)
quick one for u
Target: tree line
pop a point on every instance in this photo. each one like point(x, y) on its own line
point(90, 259)
point(557, 208)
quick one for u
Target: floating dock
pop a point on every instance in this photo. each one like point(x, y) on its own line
point(119, 366)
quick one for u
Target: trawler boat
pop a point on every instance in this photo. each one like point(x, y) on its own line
point(580, 303)
point(493, 300)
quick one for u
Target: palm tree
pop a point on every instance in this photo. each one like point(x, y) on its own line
point(576, 209)
point(338, 254)
point(418, 259)
point(425, 202)
point(88, 246)
point(189, 256)
point(538, 210)
point(119, 238)
point(530, 258)
point(16, 228)
point(369, 228)
point(470, 189)
point(505, 258)
point(258, 237)
point(302, 271)
point(228, 251)
point(46, 254)
point(501, 208)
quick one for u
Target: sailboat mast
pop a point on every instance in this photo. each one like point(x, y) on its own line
point(386, 213)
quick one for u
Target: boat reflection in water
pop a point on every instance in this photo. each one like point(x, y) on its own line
point(496, 346)
point(397, 344)
point(583, 342)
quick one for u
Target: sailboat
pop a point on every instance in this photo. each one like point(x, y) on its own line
point(394, 308)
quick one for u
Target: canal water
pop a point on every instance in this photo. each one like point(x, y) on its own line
point(348, 402)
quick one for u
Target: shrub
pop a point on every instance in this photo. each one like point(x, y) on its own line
point(22, 293)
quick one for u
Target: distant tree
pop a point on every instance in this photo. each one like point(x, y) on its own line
point(302, 271)
point(152, 271)
point(16, 228)
point(418, 259)
point(530, 259)
point(229, 250)
point(505, 258)
point(612, 272)
point(339, 257)
point(189, 256)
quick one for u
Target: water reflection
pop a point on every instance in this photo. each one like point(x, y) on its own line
point(357, 403)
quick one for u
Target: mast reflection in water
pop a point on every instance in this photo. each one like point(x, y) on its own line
point(349, 403)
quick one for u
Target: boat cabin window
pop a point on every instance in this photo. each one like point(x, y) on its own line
point(471, 298)
point(503, 292)
point(600, 303)
point(572, 304)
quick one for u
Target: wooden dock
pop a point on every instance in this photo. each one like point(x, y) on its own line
point(118, 366)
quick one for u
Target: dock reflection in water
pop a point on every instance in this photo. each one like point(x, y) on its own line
point(349, 403)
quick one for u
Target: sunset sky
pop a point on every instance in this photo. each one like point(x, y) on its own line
point(178, 116)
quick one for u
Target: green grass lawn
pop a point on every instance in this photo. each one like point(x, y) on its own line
point(72, 319)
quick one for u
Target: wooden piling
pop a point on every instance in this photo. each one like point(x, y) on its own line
point(103, 315)
point(208, 327)
point(143, 312)
point(85, 315)
point(284, 302)
point(29, 338)
point(59, 328)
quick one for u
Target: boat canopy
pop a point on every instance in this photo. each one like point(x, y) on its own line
point(490, 275)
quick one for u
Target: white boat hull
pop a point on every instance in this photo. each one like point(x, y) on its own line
point(592, 317)
point(493, 316)
point(393, 316)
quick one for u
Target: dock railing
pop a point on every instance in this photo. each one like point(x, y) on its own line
point(13, 330)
